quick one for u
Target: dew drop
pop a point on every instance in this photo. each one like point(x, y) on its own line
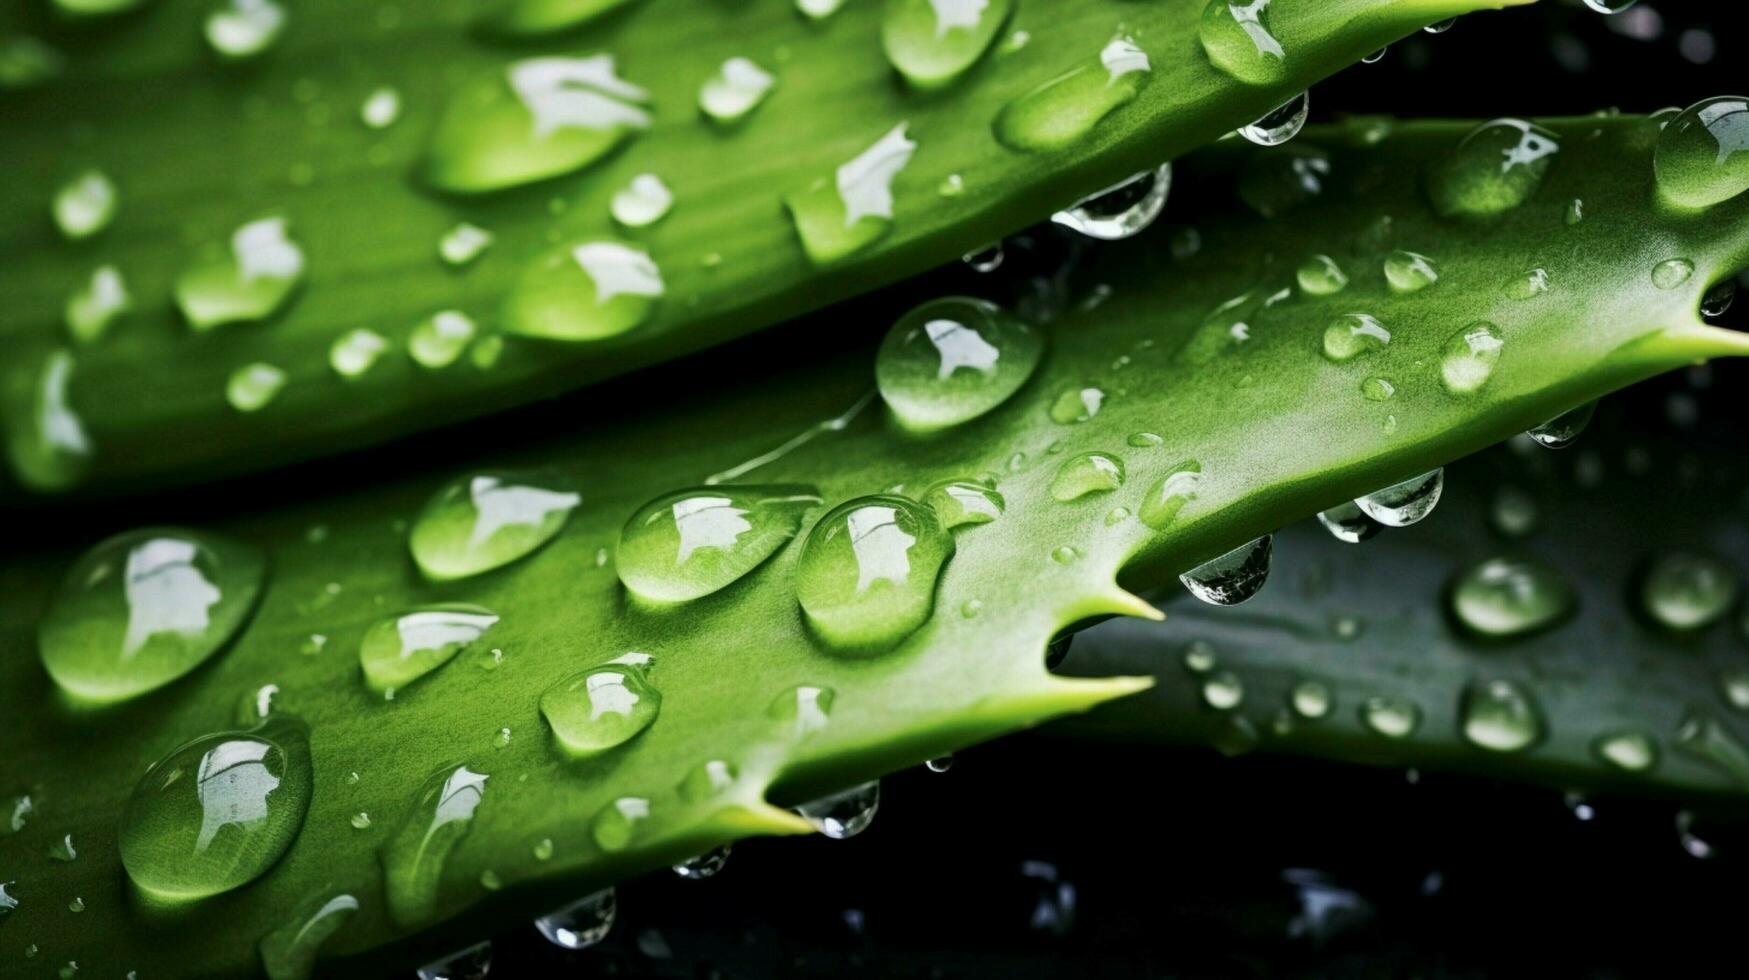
point(1687, 591)
point(1402, 504)
point(1495, 168)
point(641, 203)
point(1717, 300)
point(934, 42)
point(839, 216)
point(1628, 751)
point(617, 824)
point(289, 952)
point(707, 779)
point(463, 244)
point(1275, 181)
point(959, 503)
point(1167, 497)
point(1353, 334)
point(1348, 523)
point(1122, 210)
point(1500, 716)
point(85, 205)
point(238, 30)
point(1321, 276)
point(1144, 440)
point(1562, 430)
point(251, 387)
point(1077, 403)
point(738, 87)
point(381, 108)
point(1672, 273)
point(803, 709)
point(1065, 554)
point(355, 352)
point(1222, 690)
point(1527, 285)
point(1440, 27)
point(1391, 717)
point(401, 649)
point(693, 542)
point(92, 307)
point(248, 280)
point(1510, 597)
point(845, 814)
point(1311, 699)
point(1281, 123)
point(413, 856)
point(1237, 39)
point(1088, 473)
point(1410, 272)
point(1469, 358)
point(1233, 577)
point(953, 359)
point(1703, 736)
point(438, 340)
point(582, 923)
point(1575, 212)
point(472, 963)
point(483, 521)
point(1702, 156)
point(217, 812)
point(868, 570)
point(1062, 112)
point(600, 709)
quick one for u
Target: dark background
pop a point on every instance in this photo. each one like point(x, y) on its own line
point(1181, 863)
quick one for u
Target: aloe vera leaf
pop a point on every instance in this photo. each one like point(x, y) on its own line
point(721, 660)
point(197, 149)
point(1377, 619)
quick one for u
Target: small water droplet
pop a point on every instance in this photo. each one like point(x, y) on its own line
point(1065, 554)
point(585, 291)
point(413, 856)
point(1495, 168)
point(252, 387)
point(472, 963)
point(641, 203)
point(709, 778)
point(617, 824)
point(85, 205)
point(1375, 57)
point(845, 814)
point(1699, 160)
point(238, 30)
point(1711, 741)
point(1233, 577)
point(738, 87)
point(839, 216)
point(1062, 111)
point(934, 42)
point(1348, 523)
point(1440, 27)
point(600, 709)
point(1321, 276)
point(1671, 273)
point(963, 502)
point(986, 259)
point(1410, 272)
point(1562, 430)
point(940, 763)
point(1353, 334)
point(1629, 751)
point(1391, 717)
point(1469, 358)
point(438, 340)
point(1688, 591)
point(691, 543)
point(582, 923)
point(1513, 512)
point(953, 359)
point(1237, 39)
point(1402, 504)
point(1275, 181)
point(1077, 403)
point(1510, 597)
point(1500, 716)
point(1575, 212)
point(401, 649)
point(1085, 474)
point(1222, 690)
point(1167, 497)
point(1527, 285)
point(483, 521)
point(1281, 123)
point(289, 952)
point(1144, 440)
point(463, 244)
point(355, 352)
point(1311, 699)
point(803, 709)
point(704, 865)
point(92, 307)
point(1122, 210)
point(248, 279)
point(1717, 300)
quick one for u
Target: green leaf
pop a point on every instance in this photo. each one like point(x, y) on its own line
point(1274, 429)
point(196, 149)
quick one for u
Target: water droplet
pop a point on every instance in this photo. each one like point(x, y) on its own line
point(438, 340)
point(1122, 210)
point(940, 763)
point(616, 824)
point(953, 359)
point(707, 779)
point(1410, 272)
point(1513, 512)
point(472, 963)
point(1233, 577)
point(1561, 431)
point(693, 542)
point(1686, 591)
point(484, 521)
point(381, 108)
point(463, 244)
point(804, 709)
point(1061, 112)
point(737, 88)
point(413, 857)
point(963, 502)
point(1575, 212)
point(582, 923)
point(1275, 181)
point(1527, 285)
point(249, 279)
point(289, 952)
point(85, 205)
point(1709, 740)
point(1144, 440)
point(643, 202)
point(600, 709)
point(1609, 6)
point(62, 849)
point(1077, 403)
point(1629, 751)
point(986, 259)
point(838, 217)
point(241, 29)
point(1671, 273)
point(933, 42)
point(252, 386)
point(356, 352)
point(535, 119)
point(1167, 497)
point(1469, 357)
point(1321, 276)
point(91, 308)
point(1500, 716)
point(1237, 39)
point(867, 574)
point(1281, 123)
point(586, 291)
point(1497, 167)
point(704, 865)
point(1222, 690)
point(1348, 523)
point(1402, 504)
point(1353, 334)
point(1086, 474)
point(217, 812)
point(1717, 300)
point(1311, 699)
point(1510, 597)
point(144, 608)
point(845, 814)
point(401, 649)
point(1389, 716)
point(360, 820)
point(1375, 57)
point(1065, 554)
point(1440, 27)
point(1703, 154)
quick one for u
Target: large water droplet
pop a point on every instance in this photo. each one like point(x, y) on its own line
point(1510, 597)
point(1086, 474)
point(1687, 591)
point(1469, 357)
point(242, 29)
point(401, 649)
point(845, 814)
point(289, 952)
point(1703, 154)
point(217, 812)
point(601, 708)
point(1233, 577)
point(1495, 168)
point(1348, 523)
point(487, 520)
point(249, 279)
point(1061, 112)
point(868, 570)
point(413, 857)
point(734, 91)
point(934, 42)
point(1281, 123)
point(143, 608)
point(691, 543)
point(85, 205)
point(536, 118)
point(1168, 496)
point(1402, 504)
point(962, 502)
point(1500, 716)
point(953, 359)
point(1321, 276)
point(582, 923)
point(1410, 272)
point(1122, 210)
point(585, 291)
point(1353, 334)
point(838, 217)
point(1237, 39)
point(1630, 751)
point(1390, 716)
